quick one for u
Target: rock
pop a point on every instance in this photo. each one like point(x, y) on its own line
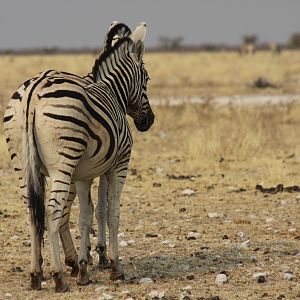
point(16, 269)
point(225, 237)
point(188, 192)
point(269, 220)
point(156, 295)
point(257, 274)
point(151, 235)
point(123, 244)
point(186, 288)
point(261, 279)
point(183, 209)
point(27, 243)
point(146, 280)
point(288, 276)
point(105, 296)
point(192, 235)
point(244, 244)
point(190, 277)
point(241, 235)
point(214, 215)
point(44, 283)
point(8, 295)
point(15, 238)
point(221, 279)
point(253, 258)
point(292, 230)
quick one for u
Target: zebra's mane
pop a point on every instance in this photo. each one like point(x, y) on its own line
point(116, 30)
point(104, 55)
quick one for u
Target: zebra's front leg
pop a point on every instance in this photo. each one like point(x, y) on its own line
point(55, 206)
point(85, 225)
point(71, 256)
point(114, 188)
point(101, 209)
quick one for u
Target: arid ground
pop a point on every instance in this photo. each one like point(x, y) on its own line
point(190, 207)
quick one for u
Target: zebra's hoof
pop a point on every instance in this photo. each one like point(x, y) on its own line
point(75, 271)
point(84, 280)
point(103, 264)
point(60, 285)
point(36, 281)
point(90, 259)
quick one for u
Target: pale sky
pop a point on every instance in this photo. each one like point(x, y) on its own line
point(83, 23)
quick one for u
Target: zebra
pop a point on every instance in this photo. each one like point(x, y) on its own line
point(116, 31)
point(69, 116)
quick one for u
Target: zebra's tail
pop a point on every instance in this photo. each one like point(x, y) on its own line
point(35, 180)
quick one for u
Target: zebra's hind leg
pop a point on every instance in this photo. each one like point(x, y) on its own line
point(89, 247)
point(85, 225)
point(114, 188)
point(59, 193)
point(71, 256)
point(101, 209)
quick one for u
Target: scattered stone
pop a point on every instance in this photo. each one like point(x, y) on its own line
point(151, 235)
point(253, 258)
point(278, 189)
point(182, 177)
point(225, 237)
point(105, 296)
point(146, 280)
point(156, 295)
point(156, 184)
point(15, 238)
point(262, 83)
point(190, 277)
point(16, 269)
point(188, 192)
point(288, 276)
point(269, 220)
point(214, 215)
point(280, 297)
point(292, 230)
point(123, 244)
point(44, 283)
point(241, 235)
point(8, 295)
point(192, 235)
point(261, 279)
point(27, 243)
point(183, 209)
point(244, 244)
point(258, 274)
point(221, 279)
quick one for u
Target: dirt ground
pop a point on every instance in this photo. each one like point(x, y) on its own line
point(182, 242)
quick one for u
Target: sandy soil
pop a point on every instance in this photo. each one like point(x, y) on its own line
point(225, 226)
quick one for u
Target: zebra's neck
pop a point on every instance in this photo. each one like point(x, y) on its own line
point(114, 68)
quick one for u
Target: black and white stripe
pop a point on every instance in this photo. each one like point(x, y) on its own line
point(74, 132)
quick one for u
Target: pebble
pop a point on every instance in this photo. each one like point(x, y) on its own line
point(27, 243)
point(8, 295)
point(292, 230)
point(269, 220)
point(261, 279)
point(123, 244)
point(15, 238)
point(241, 235)
point(156, 294)
point(244, 244)
point(257, 274)
point(188, 192)
point(146, 280)
point(214, 215)
point(192, 235)
point(288, 276)
point(221, 279)
point(105, 296)
point(253, 258)
point(186, 288)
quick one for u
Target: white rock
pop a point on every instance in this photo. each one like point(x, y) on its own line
point(186, 288)
point(15, 238)
point(188, 192)
point(269, 220)
point(292, 230)
point(105, 296)
point(241, 235)
point(253, 258)
point(159, 170)
point(288, 276)
point(44, 283)
point(166, 242)
point(214, 215)
point(221, 279)
point(257, 274)
point(131, 242)
point(156, 294)
point(27, 243)
point(8, 295)
point(193, 235)
point(146, 280)
point(244, 244)
point(121, 234)
point(123, 244)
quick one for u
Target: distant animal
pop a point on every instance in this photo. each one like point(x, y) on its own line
point(247, 49)
point(275, 48)
point(77, 134)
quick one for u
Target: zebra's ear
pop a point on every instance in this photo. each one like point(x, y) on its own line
point(139, 33)
point(138, 50)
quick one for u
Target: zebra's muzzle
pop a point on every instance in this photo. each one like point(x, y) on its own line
point(145, 123)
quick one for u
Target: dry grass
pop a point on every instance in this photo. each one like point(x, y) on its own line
point(225, 149)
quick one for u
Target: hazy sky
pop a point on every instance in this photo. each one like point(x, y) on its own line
point(81, 23)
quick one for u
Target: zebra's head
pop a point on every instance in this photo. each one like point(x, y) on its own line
point(138, 104)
